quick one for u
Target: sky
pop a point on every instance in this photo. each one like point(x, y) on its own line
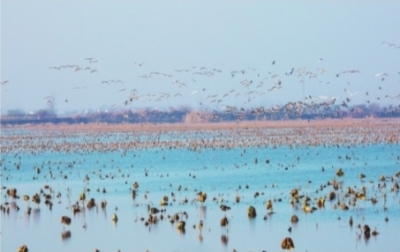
point(198, 54)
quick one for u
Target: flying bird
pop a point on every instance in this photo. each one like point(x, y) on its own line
point(349, 93)
point(381, 74)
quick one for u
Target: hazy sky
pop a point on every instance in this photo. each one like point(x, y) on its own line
point(208, 39)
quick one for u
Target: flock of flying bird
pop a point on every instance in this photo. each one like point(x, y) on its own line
point(248, 86)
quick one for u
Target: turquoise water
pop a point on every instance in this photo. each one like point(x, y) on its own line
point(222, 173)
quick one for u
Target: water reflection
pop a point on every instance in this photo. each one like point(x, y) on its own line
point(13, 206)
point(224, 239)
point(202, 211)
point(36, 215)
point(27, 217)
point(65, 235)
point(181, 231)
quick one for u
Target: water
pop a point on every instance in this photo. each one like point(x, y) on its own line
point(222, 173)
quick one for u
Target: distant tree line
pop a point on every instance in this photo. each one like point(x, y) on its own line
point(289, 111)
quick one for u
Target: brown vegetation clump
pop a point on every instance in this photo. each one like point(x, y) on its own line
point(91, 203)
point(23, 248)
point(287, 243)
point(251, 212)
point(12, 192)
point(65, 220)
point(202, 196)
point(181, 226)
point(224, 222)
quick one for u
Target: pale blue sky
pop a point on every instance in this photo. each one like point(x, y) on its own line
point(173, 35)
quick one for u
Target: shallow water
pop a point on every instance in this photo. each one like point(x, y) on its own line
point(219, 172)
